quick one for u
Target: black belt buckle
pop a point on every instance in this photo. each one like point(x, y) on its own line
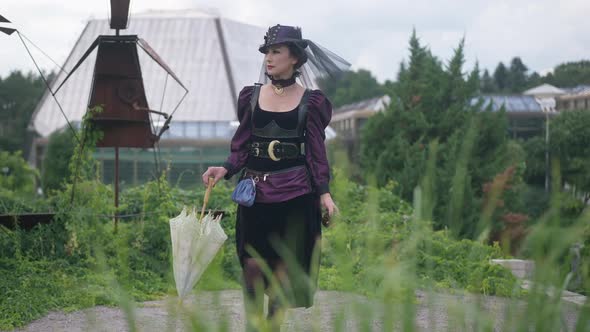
point(271, 150)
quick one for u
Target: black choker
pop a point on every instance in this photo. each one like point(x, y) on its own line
point(279, 85)
point(282, 83)
point(285, 82)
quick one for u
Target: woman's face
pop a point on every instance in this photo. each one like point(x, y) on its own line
point(279, 61)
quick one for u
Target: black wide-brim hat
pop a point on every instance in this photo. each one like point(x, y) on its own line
point(284, 34)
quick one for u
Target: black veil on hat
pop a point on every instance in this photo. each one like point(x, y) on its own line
point(318, 62)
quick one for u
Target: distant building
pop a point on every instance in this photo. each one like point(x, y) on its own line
point(526, 114)
point(348, 120)
point(577, 98)
point(562, 99)
point(544, 91)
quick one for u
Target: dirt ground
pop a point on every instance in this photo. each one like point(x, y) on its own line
point(437, 312)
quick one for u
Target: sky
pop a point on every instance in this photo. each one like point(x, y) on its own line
point(370, 34)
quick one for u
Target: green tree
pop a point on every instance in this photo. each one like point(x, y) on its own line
point(487, 83)
point(535, 149)
point(570, 74)
point(501, 78)
point(19, 95)
point(18, 184)
point(57, 158)
point(16, 175)
point(569, 142)
point(517, 76)
point(534, 80)
point(352, 87)
point(434, 120)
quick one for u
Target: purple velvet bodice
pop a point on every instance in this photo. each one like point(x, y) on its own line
point(318, 117)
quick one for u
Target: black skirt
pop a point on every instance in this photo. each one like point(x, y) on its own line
point(284, 233)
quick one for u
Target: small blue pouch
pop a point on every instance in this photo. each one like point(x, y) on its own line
point(245, 192)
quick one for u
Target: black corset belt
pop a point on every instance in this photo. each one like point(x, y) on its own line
point(276, 150)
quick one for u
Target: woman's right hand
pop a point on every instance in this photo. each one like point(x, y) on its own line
point(217, 173)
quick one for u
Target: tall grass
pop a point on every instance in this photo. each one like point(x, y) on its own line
point(383, 266)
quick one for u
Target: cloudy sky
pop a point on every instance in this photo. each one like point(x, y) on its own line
point(371, 34)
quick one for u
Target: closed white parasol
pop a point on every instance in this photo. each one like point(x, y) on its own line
point(195, 242)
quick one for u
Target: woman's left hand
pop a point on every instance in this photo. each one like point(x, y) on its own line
point(328, 204)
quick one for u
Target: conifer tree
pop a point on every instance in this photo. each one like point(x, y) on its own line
point(432, 102)
point(501, 77)
point(487, 83)
point(517, 78)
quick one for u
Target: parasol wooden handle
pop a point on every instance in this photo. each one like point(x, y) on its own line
point(207, 193)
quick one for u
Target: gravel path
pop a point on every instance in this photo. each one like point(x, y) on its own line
point(433, 313)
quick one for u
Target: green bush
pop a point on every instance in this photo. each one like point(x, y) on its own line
point(18, 183)
point(56, 160)
point(32, 288)
point(16, 175)
point(464, 264)
point(378, 233)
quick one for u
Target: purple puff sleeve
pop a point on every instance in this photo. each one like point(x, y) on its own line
point(239, 143)
point(319, 115)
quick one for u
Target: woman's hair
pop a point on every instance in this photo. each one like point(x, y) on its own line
point(298, 53)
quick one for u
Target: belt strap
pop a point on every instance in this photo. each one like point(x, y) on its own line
point(276, 150)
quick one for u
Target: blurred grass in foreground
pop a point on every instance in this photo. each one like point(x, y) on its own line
point(379, 247)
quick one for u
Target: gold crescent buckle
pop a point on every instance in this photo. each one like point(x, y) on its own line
point(271, 152)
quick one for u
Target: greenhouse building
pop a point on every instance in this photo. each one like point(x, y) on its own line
point(212, 56)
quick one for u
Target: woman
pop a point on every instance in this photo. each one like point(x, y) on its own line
point(280, 142)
